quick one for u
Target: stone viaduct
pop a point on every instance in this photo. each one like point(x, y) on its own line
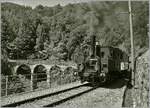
point(30, 67)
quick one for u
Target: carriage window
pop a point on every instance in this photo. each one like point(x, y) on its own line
point(111, 54)
point(121, 56)
point(104, 65)
point(102, 54)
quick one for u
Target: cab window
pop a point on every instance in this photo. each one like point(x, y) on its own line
point(93, 62)
point(104, 65)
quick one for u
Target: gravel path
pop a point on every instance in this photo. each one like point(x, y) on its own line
point(107, 97)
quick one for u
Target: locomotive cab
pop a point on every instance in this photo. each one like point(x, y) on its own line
point(92, 69)
point(93, 64)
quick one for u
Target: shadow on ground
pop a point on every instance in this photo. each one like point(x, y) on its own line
point(127, 96)
point(118, 83)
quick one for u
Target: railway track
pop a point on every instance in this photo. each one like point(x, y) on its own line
point(54, 99)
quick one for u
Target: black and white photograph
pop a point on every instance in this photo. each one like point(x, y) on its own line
point(74, 53)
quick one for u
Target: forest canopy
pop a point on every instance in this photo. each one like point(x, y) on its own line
point(63, 32)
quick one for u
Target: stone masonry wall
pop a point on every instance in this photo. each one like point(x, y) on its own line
point(141, 93)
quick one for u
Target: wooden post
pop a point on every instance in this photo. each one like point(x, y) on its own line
point(48, 79)
point(60, 77)
point(132, 44)
point(148, 30)
point(132, 53)
point(31, 81)
point(6, 92)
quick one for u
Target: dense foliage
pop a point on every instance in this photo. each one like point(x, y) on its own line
point(64, 33)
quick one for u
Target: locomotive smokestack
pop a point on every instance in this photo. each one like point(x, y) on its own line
point(93, 42)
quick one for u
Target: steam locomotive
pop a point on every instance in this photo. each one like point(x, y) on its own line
point(104, 64)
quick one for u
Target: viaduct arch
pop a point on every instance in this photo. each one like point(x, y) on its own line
point(33, 71)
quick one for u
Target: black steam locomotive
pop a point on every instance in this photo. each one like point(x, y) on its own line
point(104, 64)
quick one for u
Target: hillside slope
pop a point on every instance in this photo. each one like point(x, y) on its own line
point(64, 32)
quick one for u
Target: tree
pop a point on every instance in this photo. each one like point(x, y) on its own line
point(46, 31)
point(40, 39)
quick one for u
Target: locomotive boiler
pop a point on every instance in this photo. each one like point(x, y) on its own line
point(104, 64)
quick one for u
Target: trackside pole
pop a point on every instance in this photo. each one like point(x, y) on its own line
point(132, 44)
point(6, 89)
point(132, 53)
